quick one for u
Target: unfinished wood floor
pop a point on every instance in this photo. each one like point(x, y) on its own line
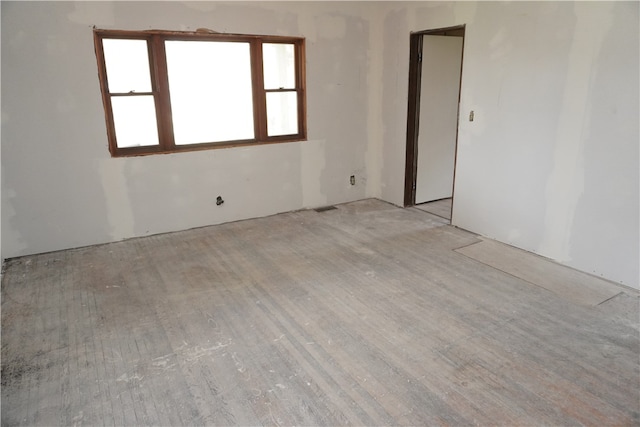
point(362, 315)
point(441, 208)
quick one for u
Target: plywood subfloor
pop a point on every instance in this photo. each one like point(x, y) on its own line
point(576, 286)
point(362, 315)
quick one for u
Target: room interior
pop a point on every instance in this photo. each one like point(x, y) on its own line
point(546, 167)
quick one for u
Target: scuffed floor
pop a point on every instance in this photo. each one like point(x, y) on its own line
point(362, 315)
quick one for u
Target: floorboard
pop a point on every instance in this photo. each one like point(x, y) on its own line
point(361, 315)
point(441, 208)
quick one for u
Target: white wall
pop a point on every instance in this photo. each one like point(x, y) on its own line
point(60, 187)
point(438, 122)
point(551, 162)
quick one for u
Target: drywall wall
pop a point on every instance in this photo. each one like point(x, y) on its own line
point(60, 187)
point(550, 163)
point(438, 122)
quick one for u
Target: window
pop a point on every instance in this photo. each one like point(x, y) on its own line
point(178, 91)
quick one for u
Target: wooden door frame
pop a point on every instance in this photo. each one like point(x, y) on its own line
point(413, 105)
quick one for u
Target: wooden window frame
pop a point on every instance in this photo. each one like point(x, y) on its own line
point(160, 88)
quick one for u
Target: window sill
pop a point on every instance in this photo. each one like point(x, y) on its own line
point(148, 151)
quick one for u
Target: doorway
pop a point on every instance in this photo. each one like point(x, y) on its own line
point(435, 70)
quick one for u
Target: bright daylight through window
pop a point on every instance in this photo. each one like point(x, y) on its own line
point(177, 91)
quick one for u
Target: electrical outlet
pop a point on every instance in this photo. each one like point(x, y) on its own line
point(352, 179)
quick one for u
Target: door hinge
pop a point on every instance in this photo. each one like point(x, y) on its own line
point(419, 56)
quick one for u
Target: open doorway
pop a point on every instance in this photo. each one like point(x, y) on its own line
point(435, 71)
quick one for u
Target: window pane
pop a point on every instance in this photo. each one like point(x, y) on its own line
point(210, 89)
point(279, 66)
point(282, 113)
point(134, 118)
point(127, 63)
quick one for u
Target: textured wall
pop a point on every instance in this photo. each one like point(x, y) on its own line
point(550, 163)
point(61, 188)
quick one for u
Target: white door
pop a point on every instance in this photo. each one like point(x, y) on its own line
point(437, 128)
